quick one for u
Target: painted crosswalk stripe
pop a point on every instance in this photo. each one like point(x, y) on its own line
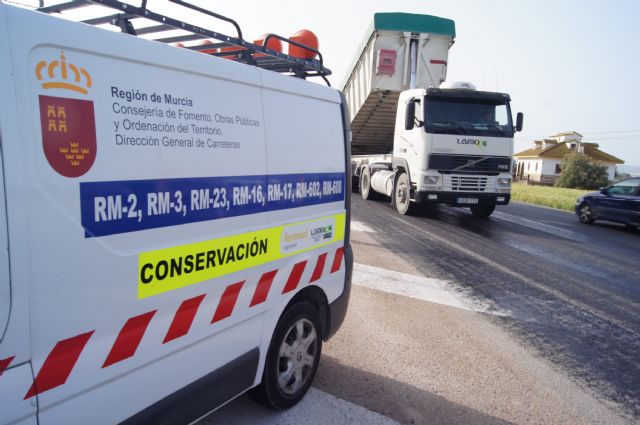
point(422, 288)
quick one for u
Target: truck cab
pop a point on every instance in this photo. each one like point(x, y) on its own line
point(455, 144)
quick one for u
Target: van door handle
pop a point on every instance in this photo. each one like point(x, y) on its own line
point(403, 150)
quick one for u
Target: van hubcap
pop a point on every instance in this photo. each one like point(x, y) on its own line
point(298, 353)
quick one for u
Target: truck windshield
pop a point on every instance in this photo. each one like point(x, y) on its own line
point(481, 117)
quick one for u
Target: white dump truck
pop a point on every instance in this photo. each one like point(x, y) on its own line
point(417, 139)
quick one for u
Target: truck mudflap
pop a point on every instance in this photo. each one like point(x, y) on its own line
point(338, 308)
point(461, 199)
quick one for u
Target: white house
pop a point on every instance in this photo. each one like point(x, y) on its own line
point(541, 163)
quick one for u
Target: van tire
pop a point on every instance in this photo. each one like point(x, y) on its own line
point(294, 352)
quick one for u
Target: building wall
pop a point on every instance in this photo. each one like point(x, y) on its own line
point(611, 172)
point(546, 169)
point(532, 169)
point(549, 166)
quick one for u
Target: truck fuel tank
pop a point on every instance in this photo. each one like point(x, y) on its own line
point(382, 182)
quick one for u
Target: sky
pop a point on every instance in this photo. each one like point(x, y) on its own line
point(568, 65)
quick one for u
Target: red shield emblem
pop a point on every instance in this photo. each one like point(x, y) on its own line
point(68, 134)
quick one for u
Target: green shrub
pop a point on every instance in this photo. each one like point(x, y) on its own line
point(579, 172)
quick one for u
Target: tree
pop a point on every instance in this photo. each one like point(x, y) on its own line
point(580, 172)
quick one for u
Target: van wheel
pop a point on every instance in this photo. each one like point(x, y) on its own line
point(292, 359)
point(482, 211)
point(401, 194)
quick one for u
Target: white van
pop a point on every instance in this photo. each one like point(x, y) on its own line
point(174, 227)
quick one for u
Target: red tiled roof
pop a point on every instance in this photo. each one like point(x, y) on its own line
point(561, 149)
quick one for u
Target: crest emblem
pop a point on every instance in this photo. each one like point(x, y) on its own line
point(68, 134)
point(68, 125)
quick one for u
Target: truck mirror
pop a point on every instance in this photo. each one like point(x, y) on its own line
point(519, 121)
point(410, 115)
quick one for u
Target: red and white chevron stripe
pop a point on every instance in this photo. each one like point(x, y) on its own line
point(59, 364)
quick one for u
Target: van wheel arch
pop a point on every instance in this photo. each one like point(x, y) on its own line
point(317, 298)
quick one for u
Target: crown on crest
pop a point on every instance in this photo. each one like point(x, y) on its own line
point(60, 74)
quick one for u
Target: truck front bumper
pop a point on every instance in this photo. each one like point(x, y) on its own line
point(461, 199)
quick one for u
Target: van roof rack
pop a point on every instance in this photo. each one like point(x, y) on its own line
point(237, 48)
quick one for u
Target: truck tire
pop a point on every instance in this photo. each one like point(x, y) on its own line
point(366, 191)
point(292, 359)
point(355, 184)
point(401, 194)
point(483, 210)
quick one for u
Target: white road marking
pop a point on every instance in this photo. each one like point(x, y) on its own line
point(418, 287)
point(358, 226)
point(536, 225)
point(317, 407)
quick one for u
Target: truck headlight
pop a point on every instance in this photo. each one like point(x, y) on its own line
point(431, 179)
point(503, 182)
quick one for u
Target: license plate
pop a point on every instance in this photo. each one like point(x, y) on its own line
point(467, 200)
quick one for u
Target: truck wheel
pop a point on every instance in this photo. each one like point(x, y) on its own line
point(365, 185)
point(482, 211)
point(355, 184)
point(292, 359)
point(401, 194)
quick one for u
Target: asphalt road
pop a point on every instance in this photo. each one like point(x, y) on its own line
point(527, 317)
point(571, 291)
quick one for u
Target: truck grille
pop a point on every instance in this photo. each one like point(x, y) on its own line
point(470, 163)
point(468, 184)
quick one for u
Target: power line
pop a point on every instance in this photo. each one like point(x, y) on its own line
point(620, 139)
point(603, 137)
point(595, 133)
point(614, 132)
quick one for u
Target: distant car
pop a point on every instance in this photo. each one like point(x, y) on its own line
point(619, 202)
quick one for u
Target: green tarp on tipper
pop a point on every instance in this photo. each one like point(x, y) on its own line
point(409, 22)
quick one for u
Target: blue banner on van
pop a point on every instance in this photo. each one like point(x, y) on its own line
point(114, 207)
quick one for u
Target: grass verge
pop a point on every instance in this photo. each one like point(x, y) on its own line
point(554, 197)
